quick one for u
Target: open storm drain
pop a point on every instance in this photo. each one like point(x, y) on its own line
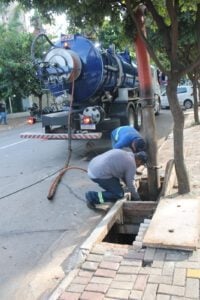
point(131, 217)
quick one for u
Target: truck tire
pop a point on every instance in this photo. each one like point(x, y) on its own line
point(157, 105)
point(47, 129)
point(108, 124)
point(135, 116)
point(139, 122)
point(188, 104)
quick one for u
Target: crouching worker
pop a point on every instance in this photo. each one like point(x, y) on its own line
point(107, 169)
point(127, 136)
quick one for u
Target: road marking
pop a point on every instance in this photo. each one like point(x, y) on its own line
point(10, 145)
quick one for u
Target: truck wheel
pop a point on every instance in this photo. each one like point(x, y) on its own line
point(108, 124)
point(157, 106)
point(47, 129)
point(132, 116)
point(188, 104)
point(139, 118)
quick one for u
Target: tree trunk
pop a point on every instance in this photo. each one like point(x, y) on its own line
point(196, 108)
point(178, 117)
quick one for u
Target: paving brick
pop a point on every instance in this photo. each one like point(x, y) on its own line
point(168, 268)
point(98, 249)
point(101, 280)
point(136, 295)
point(134, 255)
point(160, 254)
point(157, 264)
point(79, 288)
point(144, 225)
point(192, 288)
point(120, 249)
point(69, 296)
point(194, 256)
point(85, 273)
point(126, 277)
point(149, 270)
point(139, 238)
point(118, 294)
point(114, 258)
point(149, 255)
point(163, 297)
point(194, 273)
point(90, 266)
point(81, 280)
point(109, 265)
point(187, 264)
point(128, 270)
point(175, 255)
point(137, 246)
point(179, 276)
point(171, 290)
point(94, 257)
point(97, 287)
point(147, 221)
point(141, 282)
point(105, 273)
point(125, 285)
point(181, 298)
point(150, 292)
point(130, 262)
point(91, 296)
point(160, 279)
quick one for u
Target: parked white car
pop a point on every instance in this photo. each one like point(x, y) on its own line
point(185, 97)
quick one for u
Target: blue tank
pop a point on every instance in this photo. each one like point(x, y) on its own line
point(75, 63)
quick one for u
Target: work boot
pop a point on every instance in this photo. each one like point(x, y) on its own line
point(90, 201)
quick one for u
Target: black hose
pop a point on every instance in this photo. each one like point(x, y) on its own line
point(34, 42)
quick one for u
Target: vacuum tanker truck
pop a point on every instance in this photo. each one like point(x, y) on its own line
point(99, 88)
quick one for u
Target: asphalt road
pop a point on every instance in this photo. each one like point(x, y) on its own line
point(38, 236)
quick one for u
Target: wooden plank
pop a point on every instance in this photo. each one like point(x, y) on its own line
point(102, 229)
point(175, 225)
point(139, 208)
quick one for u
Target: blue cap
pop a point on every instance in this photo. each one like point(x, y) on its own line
point(142, 156)
point(139, 145)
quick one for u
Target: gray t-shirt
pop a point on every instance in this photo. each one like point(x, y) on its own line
point(115, 163)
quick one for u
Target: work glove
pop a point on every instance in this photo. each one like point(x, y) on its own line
point(127, 195)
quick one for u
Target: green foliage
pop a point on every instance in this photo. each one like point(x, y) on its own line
point(16, 73)
point(109, 34)
point(88, 17)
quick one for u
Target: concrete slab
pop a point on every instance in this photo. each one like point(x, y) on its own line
point(175, 225)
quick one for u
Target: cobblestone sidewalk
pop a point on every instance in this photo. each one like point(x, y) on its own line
point(114, 271)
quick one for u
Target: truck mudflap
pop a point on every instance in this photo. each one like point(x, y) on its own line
point(61, 136)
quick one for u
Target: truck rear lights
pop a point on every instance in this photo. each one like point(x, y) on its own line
point(86, 120)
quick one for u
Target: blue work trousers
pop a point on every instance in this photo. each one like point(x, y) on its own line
point(112, 190)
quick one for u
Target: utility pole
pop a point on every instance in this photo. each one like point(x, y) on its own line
point(147, 102)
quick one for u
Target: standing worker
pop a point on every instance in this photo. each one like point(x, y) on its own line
point(127, 136)
point(107, 169)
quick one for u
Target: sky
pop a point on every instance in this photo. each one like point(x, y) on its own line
point(59, 27)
